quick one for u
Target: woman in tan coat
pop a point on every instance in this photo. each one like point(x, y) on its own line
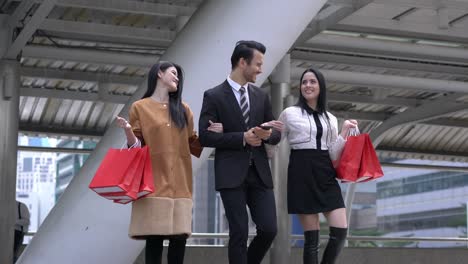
point(163, 122)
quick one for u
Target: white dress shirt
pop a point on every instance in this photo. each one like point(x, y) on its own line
point(235, 88)
point(300, 129)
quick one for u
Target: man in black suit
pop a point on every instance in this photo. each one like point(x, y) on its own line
point(242, 171)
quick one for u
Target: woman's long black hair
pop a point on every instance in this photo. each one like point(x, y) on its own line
point(321, 100)
point(176, 109)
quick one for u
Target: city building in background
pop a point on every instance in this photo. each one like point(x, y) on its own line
point(423, 203)
point(43, 176)
point(68, 164)
point(35, 180)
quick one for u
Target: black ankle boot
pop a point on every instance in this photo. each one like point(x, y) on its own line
point(335, 244)
point(311, 246)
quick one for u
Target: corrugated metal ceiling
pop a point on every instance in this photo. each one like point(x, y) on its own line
point(74, 97)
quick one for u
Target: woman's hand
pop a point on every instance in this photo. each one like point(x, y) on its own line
point(347, 126)
point(122, 123)
point(277, 125)
point(215, 127)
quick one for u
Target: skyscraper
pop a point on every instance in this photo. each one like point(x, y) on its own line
point(35, 179)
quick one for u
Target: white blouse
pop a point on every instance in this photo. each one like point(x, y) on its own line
point(303, 131)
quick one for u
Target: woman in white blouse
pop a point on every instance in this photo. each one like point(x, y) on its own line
point(312, 133)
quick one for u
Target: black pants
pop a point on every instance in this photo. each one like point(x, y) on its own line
point(261, 203)
point(19, 236)
point(175, 253)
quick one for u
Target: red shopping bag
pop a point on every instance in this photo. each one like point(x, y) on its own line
point(141, 174)
point(134, 174)
point(350, 161)
point(123, 201)
point(370, 166)
point(147, 183)
point(111, 175)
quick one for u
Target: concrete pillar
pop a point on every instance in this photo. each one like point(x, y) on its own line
point(280, 88)
point(9, 113)
point(290, 100)
point(83, 225)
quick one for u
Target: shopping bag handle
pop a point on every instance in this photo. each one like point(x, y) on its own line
point(353, 131)
point(135, 145)
point(123, 147)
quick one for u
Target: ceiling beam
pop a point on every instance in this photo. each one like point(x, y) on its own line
point(74, 95)
point(389, 81)
point(431, 110)
point(422, 154)
point(87, 55)
point(30, 28)
point(363, 116)
point(128, 6)
point(329, 16)
point(391, 49)
point(424, 166)
point(384, 26)
point(20, 13)
point(108, 33)
point(47, 73)
point(447, 122)
point(365, 99)
point(133, 7)
point(429, 4)
point(53, 131)
point(328, 56)
point(337, 97)
point(366, 116)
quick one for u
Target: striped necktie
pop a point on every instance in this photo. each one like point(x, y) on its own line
point(244, 105)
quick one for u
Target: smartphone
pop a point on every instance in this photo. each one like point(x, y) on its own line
point(266, 127)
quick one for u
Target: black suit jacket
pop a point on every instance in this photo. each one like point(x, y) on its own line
point(232, 157)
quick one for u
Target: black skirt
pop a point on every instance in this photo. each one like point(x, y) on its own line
point(312, 187)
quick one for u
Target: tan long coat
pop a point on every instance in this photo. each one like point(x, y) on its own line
point(168, 210)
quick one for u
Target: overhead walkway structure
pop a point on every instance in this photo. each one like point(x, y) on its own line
point(69, 66)
point(203, 47)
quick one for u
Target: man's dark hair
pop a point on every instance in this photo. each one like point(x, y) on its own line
point(245, 49)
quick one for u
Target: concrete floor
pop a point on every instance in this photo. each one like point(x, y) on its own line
point(218, 255)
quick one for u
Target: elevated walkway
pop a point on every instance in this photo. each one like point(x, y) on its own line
point(84, 228)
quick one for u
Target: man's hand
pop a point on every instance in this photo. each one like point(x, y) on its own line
point(262, 133)
point(252, 139)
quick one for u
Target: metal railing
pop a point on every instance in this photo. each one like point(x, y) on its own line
point(349, 238)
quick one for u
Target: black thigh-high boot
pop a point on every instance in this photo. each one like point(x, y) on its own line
point(176, 250)
point(335, 244)
point(154, 249)
point(311, 247)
